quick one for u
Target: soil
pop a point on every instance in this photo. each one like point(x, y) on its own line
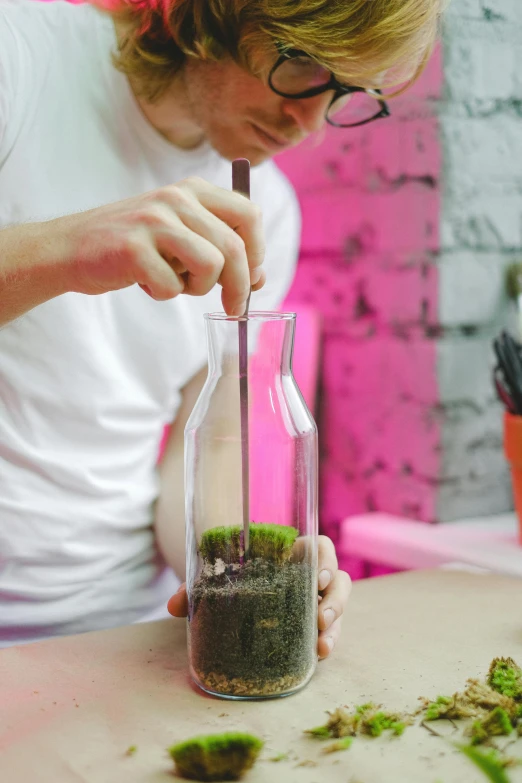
point(253, 631)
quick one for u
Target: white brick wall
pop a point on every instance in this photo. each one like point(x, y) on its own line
point(471, 288)
point(481, 233)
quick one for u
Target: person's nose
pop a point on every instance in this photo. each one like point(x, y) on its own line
point(307, 113)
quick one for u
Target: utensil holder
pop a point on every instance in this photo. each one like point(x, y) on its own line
point(513, 452)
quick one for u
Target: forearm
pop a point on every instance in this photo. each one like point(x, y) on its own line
point(222, 486)
point(29, 274)
point(170, 513)
point(224, 480)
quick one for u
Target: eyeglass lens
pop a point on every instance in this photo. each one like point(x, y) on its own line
point(299, 74)
point(353, 108)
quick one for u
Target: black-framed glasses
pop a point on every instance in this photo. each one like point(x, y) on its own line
point(296, 75)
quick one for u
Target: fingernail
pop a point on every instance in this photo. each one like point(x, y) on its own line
point(329, 643)
point(329, 617)
point(180, 588)
point(324, 579)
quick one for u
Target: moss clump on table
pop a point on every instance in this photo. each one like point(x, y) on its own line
point(364, 719)
point(252, 622)
point(216, 756)
point(341, 744)
point(497, 723)
point(496, 705)
point(505, 676)
point(489, 709)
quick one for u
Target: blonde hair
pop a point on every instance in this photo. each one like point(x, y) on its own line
point(369, 43)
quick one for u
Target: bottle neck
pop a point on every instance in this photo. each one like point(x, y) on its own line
point(270, 343)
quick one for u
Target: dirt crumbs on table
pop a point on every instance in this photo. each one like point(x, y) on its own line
point(279, 757)
point(486, 709)
point(342, 744)
point(216, 756)
point(364, 719)
point(495, 706)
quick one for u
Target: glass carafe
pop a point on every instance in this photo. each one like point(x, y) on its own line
point(252, 609)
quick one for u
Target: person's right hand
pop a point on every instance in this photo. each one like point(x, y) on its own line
point(182, 238)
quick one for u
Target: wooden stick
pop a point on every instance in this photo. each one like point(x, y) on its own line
point(241, 183)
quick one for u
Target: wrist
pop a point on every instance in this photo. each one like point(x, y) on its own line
point(50, 265)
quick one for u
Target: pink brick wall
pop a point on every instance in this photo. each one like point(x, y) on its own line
point(370, 202)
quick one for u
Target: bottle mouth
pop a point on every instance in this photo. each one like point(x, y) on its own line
point(253, 315)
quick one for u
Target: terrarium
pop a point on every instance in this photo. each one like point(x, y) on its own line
point(251, 514)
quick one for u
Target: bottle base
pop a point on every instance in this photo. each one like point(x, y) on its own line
point(241, 690)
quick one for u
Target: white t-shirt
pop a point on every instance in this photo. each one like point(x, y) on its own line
point(87, 383)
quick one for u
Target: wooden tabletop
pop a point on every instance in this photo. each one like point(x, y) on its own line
point(70, 707)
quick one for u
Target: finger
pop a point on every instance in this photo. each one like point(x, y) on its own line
point(197, 261)
point(327, 561)
point(178, 604)
point(328, 639)
point(304, 549)
point(202, 260)
point(259, 276)
point(236, 277)
point(335, 598)
point(234, 209)
point(179, 270)
point(155, 276)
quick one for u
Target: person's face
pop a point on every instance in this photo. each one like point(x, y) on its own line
point(241, 116)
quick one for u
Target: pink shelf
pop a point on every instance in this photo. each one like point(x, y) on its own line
point(486, 543)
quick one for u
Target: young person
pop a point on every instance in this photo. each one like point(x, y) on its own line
point(118, 231)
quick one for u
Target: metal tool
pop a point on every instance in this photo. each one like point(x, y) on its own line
point(514, 290)
point(241, 183)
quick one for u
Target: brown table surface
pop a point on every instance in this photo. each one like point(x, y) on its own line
point(70, 707)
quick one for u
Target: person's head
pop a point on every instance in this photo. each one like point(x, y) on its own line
point(219, 53)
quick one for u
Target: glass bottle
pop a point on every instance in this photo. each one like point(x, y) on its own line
point(252, 609)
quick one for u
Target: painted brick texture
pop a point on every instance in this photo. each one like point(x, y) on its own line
point(370, 201)
point(409, 277)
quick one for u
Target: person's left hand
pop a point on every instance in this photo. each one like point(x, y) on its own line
point(334, 589)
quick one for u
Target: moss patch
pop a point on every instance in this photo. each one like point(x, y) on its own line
point(505, 676)
point(272, 543)
point(216, 756)
point(497, 723)
point(364, 719)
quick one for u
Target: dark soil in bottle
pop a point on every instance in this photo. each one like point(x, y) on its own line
point(253, 632)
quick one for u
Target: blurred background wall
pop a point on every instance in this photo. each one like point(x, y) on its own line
point(481, 233)
point(370, 263)
point(409, 225)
